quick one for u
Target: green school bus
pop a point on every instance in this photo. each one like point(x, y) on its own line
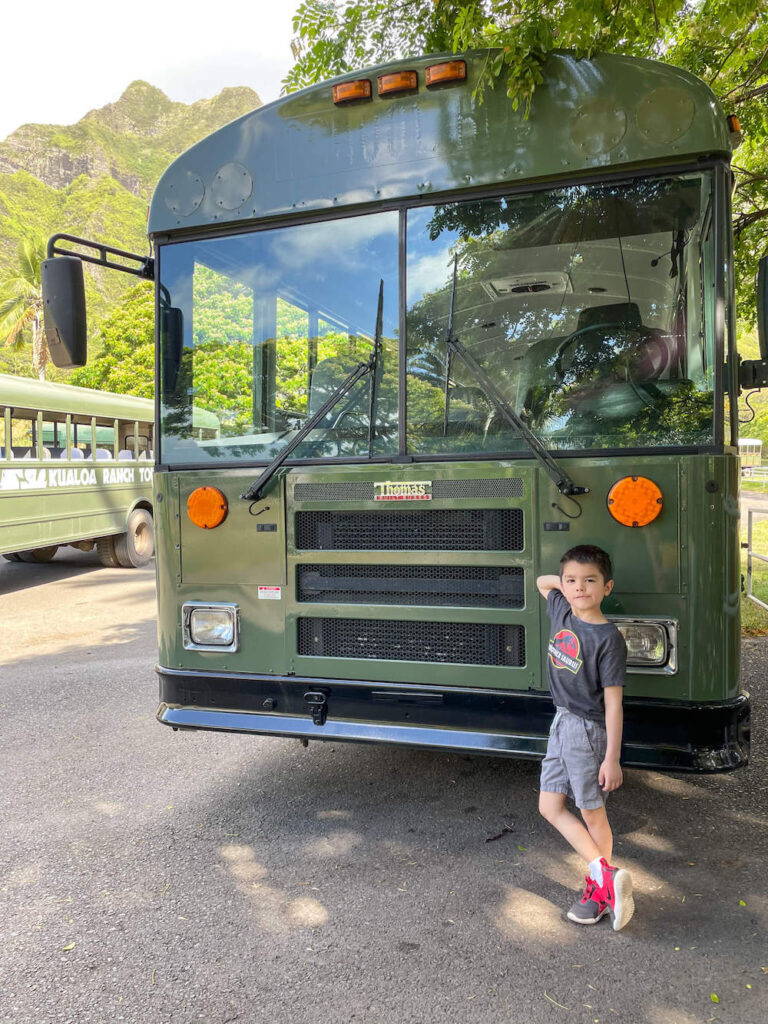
point(444, 342)
point(75, 469)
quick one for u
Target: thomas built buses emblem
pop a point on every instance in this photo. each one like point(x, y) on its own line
point(410, 490)
point(564, 650)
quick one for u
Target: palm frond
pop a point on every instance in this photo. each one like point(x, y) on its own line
point(21, 299)
point(14, 325)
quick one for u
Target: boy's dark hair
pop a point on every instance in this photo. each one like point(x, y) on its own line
point(588, 554)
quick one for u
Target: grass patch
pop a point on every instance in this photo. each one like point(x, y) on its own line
point(754, 485)
point(754, 620)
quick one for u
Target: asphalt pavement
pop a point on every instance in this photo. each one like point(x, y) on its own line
point(195, 878)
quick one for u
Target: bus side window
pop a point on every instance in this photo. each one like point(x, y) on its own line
point(22, 437)
point(6, 445)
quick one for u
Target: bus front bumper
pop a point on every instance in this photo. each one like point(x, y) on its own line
point(662, 735)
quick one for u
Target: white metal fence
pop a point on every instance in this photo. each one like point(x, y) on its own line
point(751, 555)
point(756, 473)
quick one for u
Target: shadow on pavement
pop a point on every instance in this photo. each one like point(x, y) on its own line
point(67, 564)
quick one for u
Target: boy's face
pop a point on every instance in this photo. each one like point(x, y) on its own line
point(583, 586)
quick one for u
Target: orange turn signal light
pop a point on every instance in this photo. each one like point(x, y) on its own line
point(346, 92)
point(634, 501)
point(448, 71)
point(398, 81)
point(734, 125)
point(207, 507)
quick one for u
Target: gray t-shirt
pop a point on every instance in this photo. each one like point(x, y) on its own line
point(582, 659)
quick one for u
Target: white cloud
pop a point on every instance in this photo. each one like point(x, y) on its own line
point(343, 245)
point(82, 55)
point(429, 273)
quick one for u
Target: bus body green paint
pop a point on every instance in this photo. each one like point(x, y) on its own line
point(382, 588)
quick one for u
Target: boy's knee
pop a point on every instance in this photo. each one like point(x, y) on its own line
point(550, 804)
point(593, 815)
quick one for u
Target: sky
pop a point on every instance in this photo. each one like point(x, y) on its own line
point(61, 60)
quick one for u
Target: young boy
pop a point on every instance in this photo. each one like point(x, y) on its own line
point(586, 663)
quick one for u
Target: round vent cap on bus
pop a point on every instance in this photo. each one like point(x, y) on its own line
point(207, 507)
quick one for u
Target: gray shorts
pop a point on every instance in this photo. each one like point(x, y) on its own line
point(575, 751)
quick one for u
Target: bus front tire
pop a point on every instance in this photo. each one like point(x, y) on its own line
point(105, 548)
point(136, 546)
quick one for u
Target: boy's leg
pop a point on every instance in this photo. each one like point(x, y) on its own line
point(555, 785)
point(590, 908)
point(614, 894)
point(599, 828)
point(552, 807)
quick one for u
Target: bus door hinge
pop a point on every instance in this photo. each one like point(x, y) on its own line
point(318, 705)
point(753, 373)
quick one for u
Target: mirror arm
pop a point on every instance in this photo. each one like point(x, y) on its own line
point(145, 268)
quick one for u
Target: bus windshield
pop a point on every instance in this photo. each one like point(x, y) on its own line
point(271, 323)
point(586, 303)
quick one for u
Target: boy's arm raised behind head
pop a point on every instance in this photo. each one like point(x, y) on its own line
point(547, 583)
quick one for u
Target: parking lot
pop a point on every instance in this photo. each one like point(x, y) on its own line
point(151, 876)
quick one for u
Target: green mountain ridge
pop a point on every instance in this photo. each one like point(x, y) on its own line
point(131, 140)
point(95, 178)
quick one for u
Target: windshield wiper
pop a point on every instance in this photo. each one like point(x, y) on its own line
point(559, 477)
point(375, 367)
point(257, 488)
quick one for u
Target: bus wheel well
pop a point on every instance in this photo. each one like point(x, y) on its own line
point(146, 505)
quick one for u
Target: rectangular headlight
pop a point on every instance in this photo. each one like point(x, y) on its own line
point(210, 627)
point(651, 644)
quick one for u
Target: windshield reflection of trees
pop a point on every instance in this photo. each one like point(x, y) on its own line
point(218, 377)
point(595, 386)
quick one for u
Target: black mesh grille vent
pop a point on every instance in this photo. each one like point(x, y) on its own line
point(463, 643)
point(362, 490)
point(437, 585)
point(450, 529)
point(488, 487)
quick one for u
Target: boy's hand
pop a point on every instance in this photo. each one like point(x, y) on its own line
point(611, 775)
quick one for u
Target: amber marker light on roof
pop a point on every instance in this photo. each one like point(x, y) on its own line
point(207, 507)
point(448, 71)
point(634, 501)
point(398, 81)
point(346, 92)
point(734, 127)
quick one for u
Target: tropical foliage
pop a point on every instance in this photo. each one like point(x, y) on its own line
point(724, 42)
point(21, 304)
point(94, 179)
point(125, 348)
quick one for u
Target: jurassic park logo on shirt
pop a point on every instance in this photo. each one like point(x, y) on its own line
point(564, 650)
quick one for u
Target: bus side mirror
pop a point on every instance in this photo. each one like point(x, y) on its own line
point(171, 345)
point(753, 373)
point(64, 310)
point(762, 306)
